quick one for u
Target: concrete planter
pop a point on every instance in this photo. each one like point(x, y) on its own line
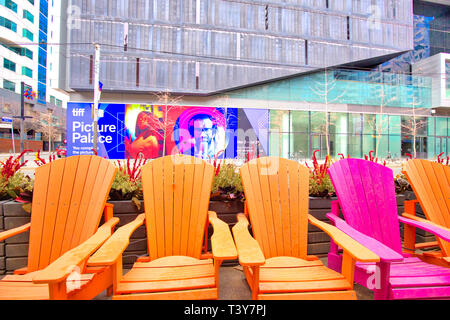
point(14, 249)
point(2, 243)
point(319, 241)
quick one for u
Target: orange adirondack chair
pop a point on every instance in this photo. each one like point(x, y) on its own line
point(176, 198)
point(68, 201)
point(431, 184)
point(275, 261)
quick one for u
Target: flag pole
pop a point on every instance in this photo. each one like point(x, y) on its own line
point(96, 96)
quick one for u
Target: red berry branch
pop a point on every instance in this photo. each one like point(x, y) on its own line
point(12, 165)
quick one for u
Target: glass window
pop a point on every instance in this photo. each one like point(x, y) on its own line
point(338, 123)
point(27, 15)
point(27, 53)
point(354, 123)
point(382, 146)
point(279, 120)
point(27, 72)
point(441, 126)
point(299, 146)
point(431, 126)
point(279, 144)
point(369, 124)
point(369, 144)
point(27, 34)
point(9, 4)
point(8, 24)
point(9, 85)
point(395, 146)
point(395, 125)
point(338, 145)
point(318, 122)
point(417, 126)
point(300, 121)
point(354, 146)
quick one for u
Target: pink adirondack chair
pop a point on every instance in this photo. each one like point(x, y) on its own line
point(366, 196)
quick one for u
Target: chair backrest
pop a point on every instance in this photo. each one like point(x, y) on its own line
point(366, 194)
point(431, 184)
point(276, 191)
point(176, 192)
point(69, 196)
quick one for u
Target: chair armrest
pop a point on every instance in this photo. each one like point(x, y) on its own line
point(385, 253)
point(112, 249)
point(13, 232)
point(441, 232)
point(353, 247)
point(222, 243)
point(248, 249)
point(62, 267)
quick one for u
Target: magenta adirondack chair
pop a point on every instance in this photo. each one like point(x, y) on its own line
point(366, 196)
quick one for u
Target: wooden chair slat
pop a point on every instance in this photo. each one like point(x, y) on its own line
point(64, 206)
point(41, 182)
point(53, 193)
point(80, 181)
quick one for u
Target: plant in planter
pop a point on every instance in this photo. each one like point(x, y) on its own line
point(127, 184)
point(401, 184)
point(443, 161)
point(227, 183)
point(13, 182)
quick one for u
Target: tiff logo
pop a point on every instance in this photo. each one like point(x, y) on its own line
point(78, 112)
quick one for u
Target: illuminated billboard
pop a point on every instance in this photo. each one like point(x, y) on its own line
point(151, 131)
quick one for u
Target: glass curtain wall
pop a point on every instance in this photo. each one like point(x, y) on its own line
point(297, 134)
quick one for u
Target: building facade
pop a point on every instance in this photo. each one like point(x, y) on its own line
point(202, 46)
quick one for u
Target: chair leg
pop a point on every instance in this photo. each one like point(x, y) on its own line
point(381, 291)
point(255, 283)
point(109, 291)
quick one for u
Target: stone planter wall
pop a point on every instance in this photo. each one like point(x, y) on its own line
point(2, 243)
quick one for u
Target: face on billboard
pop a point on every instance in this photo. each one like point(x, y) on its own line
point(200, 132)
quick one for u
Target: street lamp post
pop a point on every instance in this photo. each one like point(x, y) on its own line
point(96, 95)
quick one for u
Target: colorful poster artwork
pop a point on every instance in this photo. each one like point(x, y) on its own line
point(151, 131)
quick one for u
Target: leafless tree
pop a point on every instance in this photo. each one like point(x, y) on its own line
point(168, 103)
point(48, 125)
point(416, 122)
point(322, 87)
point(380, 122)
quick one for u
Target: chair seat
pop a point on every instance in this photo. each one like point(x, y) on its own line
point(21, 287)
point(172, 273)
point(414, 278)
point(289, 274)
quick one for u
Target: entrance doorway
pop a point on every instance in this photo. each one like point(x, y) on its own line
point(319, 142)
